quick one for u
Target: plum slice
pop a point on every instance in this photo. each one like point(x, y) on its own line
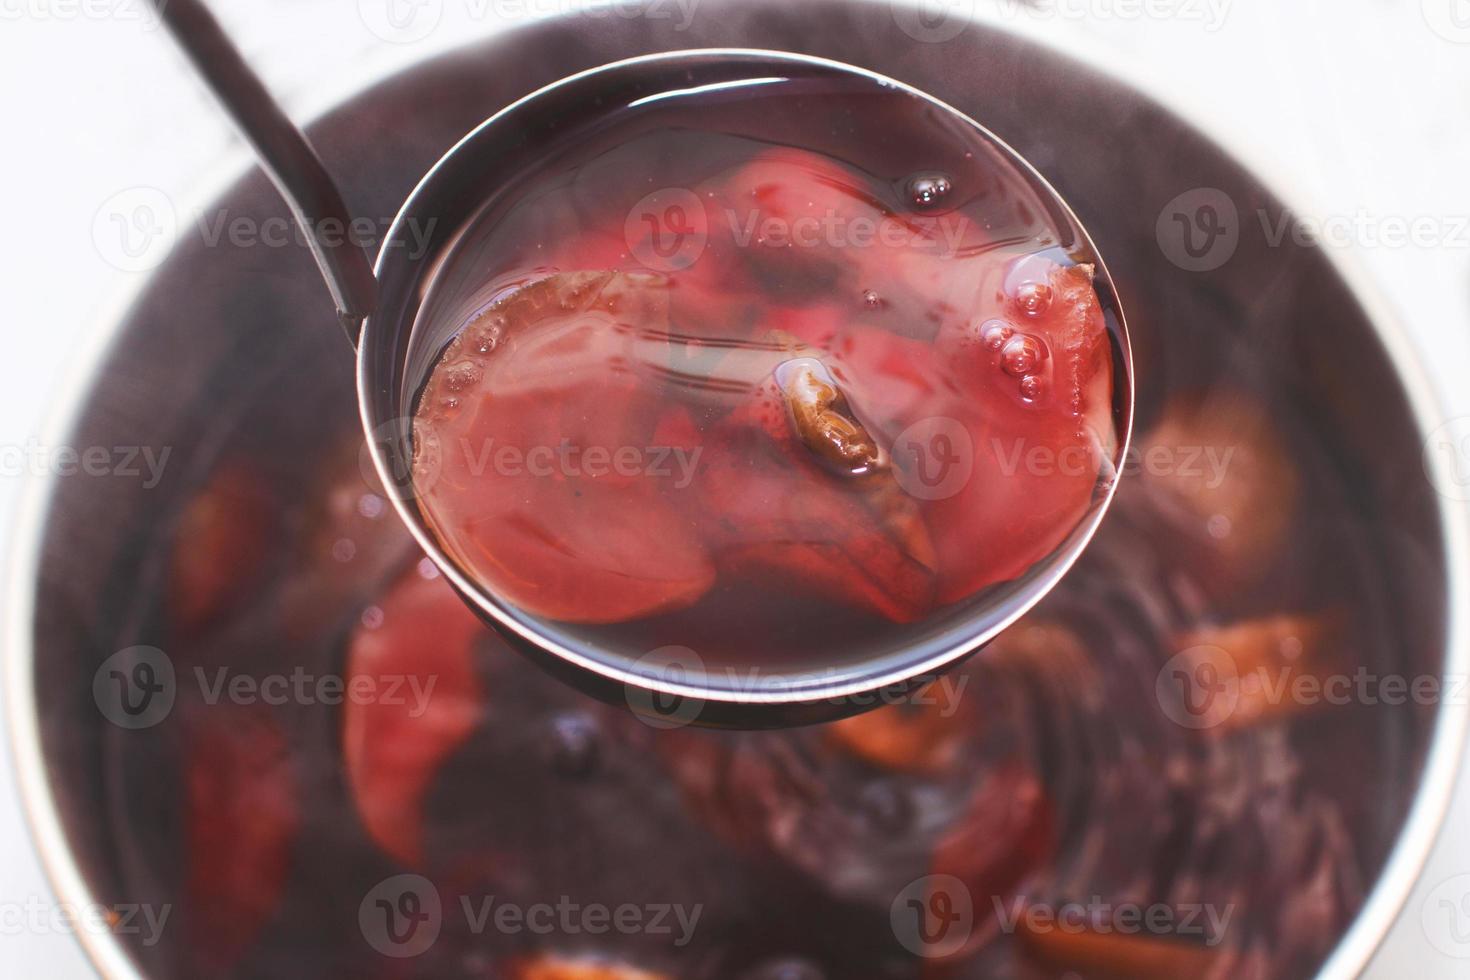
point(799, 490)
point(244, 812)
point(392, 748)
point(525, 433)
point(551, 967)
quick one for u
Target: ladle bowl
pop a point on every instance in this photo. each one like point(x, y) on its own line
point(382, 312)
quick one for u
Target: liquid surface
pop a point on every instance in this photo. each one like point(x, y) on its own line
point(781, 406)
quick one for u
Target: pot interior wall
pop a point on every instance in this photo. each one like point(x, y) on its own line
point(233, 350)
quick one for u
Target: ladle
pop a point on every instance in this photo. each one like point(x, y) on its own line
point(379, 306)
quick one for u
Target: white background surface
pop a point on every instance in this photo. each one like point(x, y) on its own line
point(1361, 107)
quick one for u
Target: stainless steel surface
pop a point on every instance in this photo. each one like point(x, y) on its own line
point(454, 190)
point(397, 338)
point(285, 154)
point(1368, 415)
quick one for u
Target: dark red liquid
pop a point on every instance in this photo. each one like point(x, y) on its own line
point(784, 375)
point(1069, 769)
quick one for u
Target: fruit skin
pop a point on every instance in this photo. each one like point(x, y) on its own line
point(1112, 956)
point(243, 812)
point(552, 967)
point(1219, 476)
point(1269, 655)
point(1006, 832)
point(392, 751)
point(222, 544)
point(1036, 463)
point(810, 230)
point(918, 738)
point(776, 512)
point(554, 532)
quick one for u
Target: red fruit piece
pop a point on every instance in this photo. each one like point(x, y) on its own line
point(795, 214)
point(1258, 660)
point(780, 513)
point(393, 747)
point(1036, 452)
point(242, 817)
point(1111, 955)
point(221, 544)
point(1218, 471)
point(799, 195)
point(553, 967)
point(910, 738)
point(534, 459)
point(1008, 832)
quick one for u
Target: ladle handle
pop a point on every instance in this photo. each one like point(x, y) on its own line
point(285, 155)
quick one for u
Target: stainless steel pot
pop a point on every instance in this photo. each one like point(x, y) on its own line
point(82, 562)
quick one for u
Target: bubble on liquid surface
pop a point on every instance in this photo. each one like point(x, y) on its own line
point(1022, 355)
point(575, 745)
point(484, 337)
point(995, 333)
point(462, 375)
point(929, 190)
point(1034, 298)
